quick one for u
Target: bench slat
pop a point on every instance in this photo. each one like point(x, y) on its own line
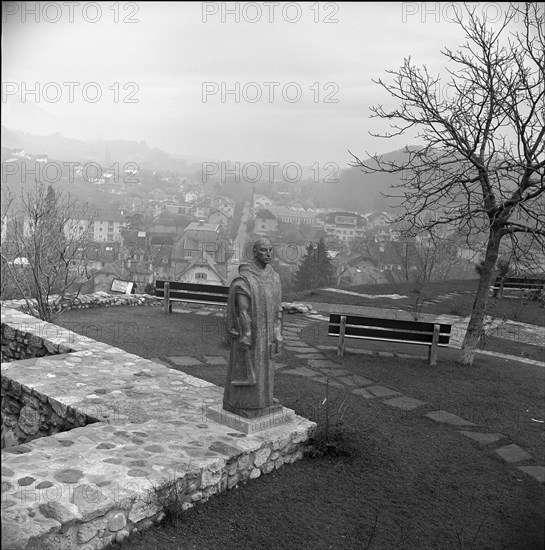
point(396, 324)
point(192, 296)
point(197, 300)
point(353, 329)
point(192, 287)
point(191, 293)
point(520, 283)
point(423, 338)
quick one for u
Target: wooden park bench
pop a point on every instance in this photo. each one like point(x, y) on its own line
point(175, 291)
point(517, 284)
point(390, 330)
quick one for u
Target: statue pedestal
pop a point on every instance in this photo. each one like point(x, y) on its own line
point(218, 414)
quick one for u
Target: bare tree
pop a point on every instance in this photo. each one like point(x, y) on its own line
point(44, 249)
point(481, 167)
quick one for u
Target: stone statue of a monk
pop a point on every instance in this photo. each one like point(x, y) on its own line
point(254, 329)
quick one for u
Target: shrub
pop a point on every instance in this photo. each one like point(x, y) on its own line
point(333, 434)
point(149, 289)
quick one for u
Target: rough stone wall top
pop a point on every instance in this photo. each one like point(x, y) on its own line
point(152, 428)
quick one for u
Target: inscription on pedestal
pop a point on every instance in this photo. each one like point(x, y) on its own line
point(250, 425)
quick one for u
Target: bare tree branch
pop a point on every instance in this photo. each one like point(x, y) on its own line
point(482, 157)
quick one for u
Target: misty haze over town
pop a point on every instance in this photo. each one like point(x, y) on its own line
point(186, 123)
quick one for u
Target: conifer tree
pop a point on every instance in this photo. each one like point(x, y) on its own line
point(316, 269)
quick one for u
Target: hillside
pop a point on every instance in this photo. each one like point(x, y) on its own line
point(105, 152)
point(355, 190)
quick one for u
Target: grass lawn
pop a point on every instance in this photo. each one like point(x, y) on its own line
point(419, 300)
point(407, 482)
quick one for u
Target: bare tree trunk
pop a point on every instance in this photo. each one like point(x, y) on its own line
point(474, 329)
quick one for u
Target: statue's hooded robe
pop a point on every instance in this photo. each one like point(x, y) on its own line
point(250, 373)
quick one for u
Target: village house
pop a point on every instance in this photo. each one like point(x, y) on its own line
point(217, 199)
point(176, 208)
point(141, 273)
point(346, 226)
point(107, 226)
point(357, 268)
point(96, 255)
point(219, 217)
point(201, 211)
point(20, 154)
point(261, 201)
point(201, 237)
point(161, 264)
point(171, 223)
point(150, 248)
point(378, 219)
point(102, 279)
point(227, 207)
point(285, 214)
point(202, 269)
point(265, 222)
point(191, 196)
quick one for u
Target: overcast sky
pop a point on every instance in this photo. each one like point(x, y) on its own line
point(161, 69)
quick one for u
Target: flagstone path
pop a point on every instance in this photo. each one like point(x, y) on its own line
point(338, 376)
point(314, 366)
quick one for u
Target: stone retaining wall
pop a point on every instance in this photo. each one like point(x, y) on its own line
point(85, 301)
point(150, 444)
point(27, 416)
point(26, 341)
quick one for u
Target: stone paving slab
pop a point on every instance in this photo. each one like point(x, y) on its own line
point(327, 381)
point(161, 362)
point(362, 392)
point(382, 391)
point(405, 403)
point(334, 371)
point(513, 453)
point(301, 371)
point(449, 418)
point(300, 349)
point(512, 357)
point(484, 438)
point(359, 351)
point(215, 360)
point(184, 361)
point(322, 364)
point(355, 380)
point(537, 472)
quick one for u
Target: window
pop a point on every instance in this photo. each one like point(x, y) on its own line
point(200, 275)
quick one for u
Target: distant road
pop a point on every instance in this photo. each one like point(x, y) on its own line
point(238, 244)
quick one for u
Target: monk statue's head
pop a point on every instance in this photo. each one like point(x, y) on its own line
point(263, 252)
